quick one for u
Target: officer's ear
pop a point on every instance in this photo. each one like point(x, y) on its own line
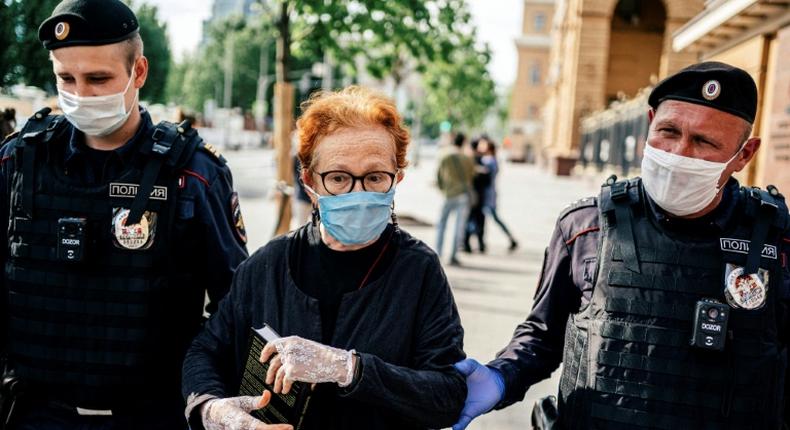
point(140, 71)
point(750, 148)
point(650, 115)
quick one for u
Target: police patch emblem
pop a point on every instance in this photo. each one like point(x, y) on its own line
point(711, 90)
point(238, 220)
point(62, 30)
point(136, 236)
point(745, 291)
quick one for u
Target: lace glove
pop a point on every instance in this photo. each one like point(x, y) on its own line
point(233, 413)
point(304, 360)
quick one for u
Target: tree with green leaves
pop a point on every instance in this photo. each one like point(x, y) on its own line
point(459, 90)
point(157, 49)
point(391, 35)
point(28, 60)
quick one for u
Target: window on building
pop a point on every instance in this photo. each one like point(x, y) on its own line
point(540, 22)
point(535, 74)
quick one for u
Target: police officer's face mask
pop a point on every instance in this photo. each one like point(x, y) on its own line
point(98, 115)
point(681, 185)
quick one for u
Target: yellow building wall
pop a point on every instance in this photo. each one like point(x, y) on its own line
point(750, 56)
point(773, 160)
point(633, 58)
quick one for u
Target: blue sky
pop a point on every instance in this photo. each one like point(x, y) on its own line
point(498, 23)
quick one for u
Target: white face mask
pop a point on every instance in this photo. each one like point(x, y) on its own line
point(681, 185)
point(98, 115)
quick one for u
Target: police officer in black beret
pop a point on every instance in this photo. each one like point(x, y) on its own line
point(665, 298)
point(116, 229)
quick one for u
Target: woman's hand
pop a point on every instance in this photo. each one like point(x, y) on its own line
point(233, 413)
point(296, 359)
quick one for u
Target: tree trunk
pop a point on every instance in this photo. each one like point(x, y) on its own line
point(283, 118)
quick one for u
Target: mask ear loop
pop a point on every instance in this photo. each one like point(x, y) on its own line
point(315, 215)
point(743, 145)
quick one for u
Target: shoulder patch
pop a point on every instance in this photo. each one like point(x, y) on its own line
point(586, 202)
point(238, 220)
point(9, 137)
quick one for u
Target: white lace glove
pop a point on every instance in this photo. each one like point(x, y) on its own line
point(304, 360)
point(233, 413)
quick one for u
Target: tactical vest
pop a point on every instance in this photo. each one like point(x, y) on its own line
point(100, 328)
point(628, 362)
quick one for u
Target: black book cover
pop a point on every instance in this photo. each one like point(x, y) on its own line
point(283, 408)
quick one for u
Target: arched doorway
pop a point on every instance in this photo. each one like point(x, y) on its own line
point(636, 43)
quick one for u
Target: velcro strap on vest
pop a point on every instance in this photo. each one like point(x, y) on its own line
point(625, 234)
point(683, 311)
point(765, 217)
point(634, 417)
point(169, 142)
point(68, 331)
point(675, 257)
point(681, 395)
point(659, 365)
point(48, 253)
point(656, 282)
point(97, 208)
point(80, 307)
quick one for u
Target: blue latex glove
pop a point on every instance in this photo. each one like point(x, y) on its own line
point(485, 388)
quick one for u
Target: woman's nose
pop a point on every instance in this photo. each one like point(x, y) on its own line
point(358, 186)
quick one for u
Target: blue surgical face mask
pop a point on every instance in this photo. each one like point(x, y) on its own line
point(357, 217)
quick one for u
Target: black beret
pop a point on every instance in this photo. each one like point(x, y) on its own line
point(712, 84)
point(88, 23)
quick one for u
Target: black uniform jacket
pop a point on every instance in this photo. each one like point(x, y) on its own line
point(404, 325)
point(566, 285)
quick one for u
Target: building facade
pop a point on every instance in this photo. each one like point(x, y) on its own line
point(529, 91)
point(603, 51)
point(755, 36)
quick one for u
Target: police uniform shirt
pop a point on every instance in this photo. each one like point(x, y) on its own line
point(566, 286)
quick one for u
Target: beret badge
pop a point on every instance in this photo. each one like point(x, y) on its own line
point(62, 30)
point(711, 90)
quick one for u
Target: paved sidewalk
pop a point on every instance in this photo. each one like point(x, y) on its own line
point(493, 291)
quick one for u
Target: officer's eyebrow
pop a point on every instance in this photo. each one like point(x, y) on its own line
point(666, 123)
point(706, 138)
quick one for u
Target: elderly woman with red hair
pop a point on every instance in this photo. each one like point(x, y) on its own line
point(365, 308)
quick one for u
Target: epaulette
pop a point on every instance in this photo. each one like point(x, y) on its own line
point(9, 137)
point(213, 151)
point(586, 202)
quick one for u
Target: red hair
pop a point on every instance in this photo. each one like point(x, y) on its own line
point(327, 111)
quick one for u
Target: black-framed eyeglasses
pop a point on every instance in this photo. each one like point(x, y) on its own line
point(341, 182)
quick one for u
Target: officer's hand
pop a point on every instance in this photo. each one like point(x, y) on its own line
point(233, 413)
point(485, 388)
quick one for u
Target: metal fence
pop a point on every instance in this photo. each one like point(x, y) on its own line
point(613, 139)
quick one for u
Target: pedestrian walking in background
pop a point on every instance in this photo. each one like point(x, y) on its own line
point(481, 182)
point(454, 178)
point(487, 147)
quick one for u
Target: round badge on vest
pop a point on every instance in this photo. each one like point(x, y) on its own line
point(136, 236)
point(745, 291)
